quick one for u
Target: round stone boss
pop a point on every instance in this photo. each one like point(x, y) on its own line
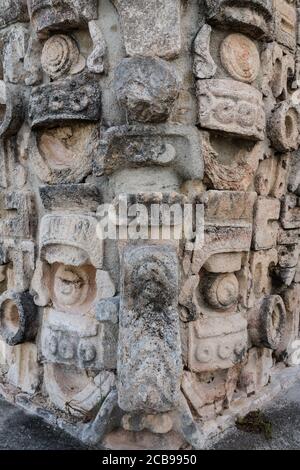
point(240, 57)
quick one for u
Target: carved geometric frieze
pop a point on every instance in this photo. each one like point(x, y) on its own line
point(77, 98)
point(78, 340)
point(217, 342)
point(150, 27)
point(231, 107)
point(47, 15)
point(149, 331)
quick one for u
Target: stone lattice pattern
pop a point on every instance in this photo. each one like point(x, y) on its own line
point(145, 343)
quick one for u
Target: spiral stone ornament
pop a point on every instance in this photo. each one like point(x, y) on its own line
point(61, 56)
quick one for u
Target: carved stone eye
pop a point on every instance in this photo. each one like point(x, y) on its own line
point(225, 111)
point(221, 291)
point(71, 285)
point(86, 352)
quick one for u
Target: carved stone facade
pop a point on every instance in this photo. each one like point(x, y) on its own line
point(148, 340)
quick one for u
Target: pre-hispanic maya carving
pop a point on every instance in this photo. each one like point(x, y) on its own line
point(149, 214)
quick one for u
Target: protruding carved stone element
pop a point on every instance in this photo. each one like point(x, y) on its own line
point(231, 107)
point(95, 61)
point(253, 17)
point(261, 264)
point(18, 318)
point(52, 16)
point(266, 225)
point(147, 88)
point(61, 56)
point(151, 27)
point(149, 331)
point(73, 231)
point(166, 146)
point(283, 127)
point(204, 65)
point(267, 321)
point(240, 57)
point(74, 99)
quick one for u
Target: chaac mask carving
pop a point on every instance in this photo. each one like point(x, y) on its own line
point(174, 104)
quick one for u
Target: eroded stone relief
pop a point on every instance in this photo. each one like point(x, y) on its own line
point(156, 340)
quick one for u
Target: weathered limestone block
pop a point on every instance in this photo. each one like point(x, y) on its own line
point(23, 370)
point(18, 215)
point(76, 98)
point(174, 146)
point(290, 212)
point(291, 299)
point(80, 197)
point(228, 228)
point(11, 108)
point(266, 225)
point(231, 107)
point(147, 88)
point(217, 342)
point(285, 14)
point(240, 57)
point(151, 27)
point(13, 11)
point(261, 265)
point(267, 322)
point(51, 16)
point(149, 356)
point(253, 17)
point(18, 318)
point(256, 372)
